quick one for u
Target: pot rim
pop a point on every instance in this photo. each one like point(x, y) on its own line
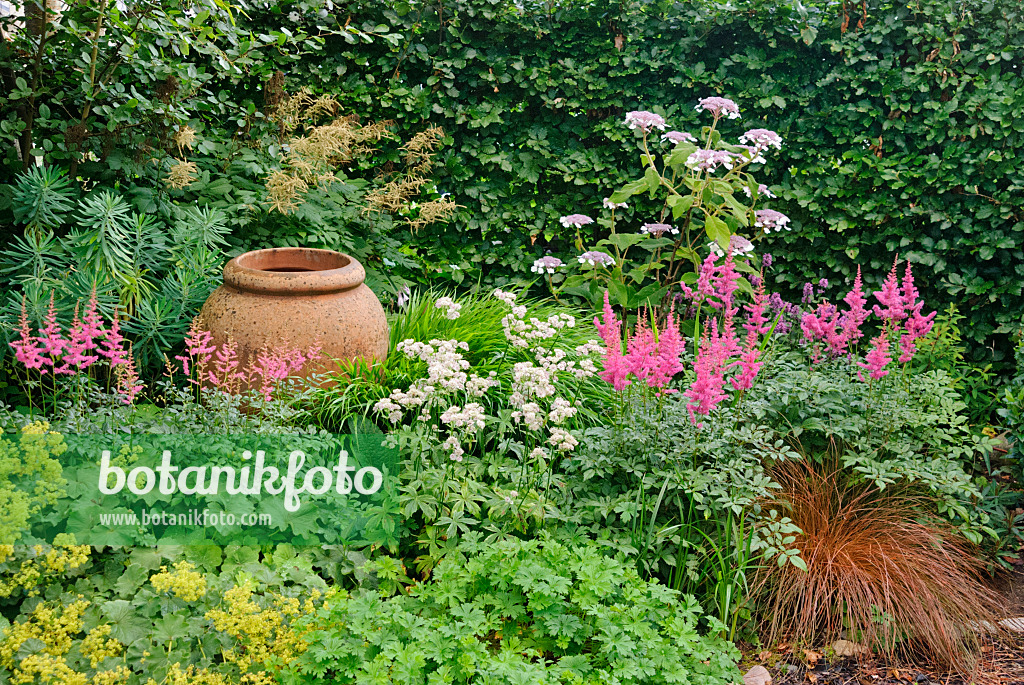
point(315, 271)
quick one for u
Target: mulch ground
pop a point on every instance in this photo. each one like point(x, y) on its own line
point(1001, 662)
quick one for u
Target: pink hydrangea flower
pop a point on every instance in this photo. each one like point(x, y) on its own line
point(762, 138)
point(719, 107)
point(645, 121)
point(762, 189)
point(576, 220)
point(658, 230)
point(769, 219)
point(678, 137)
point(596, 258)
point(709, 160)
point(546, 265)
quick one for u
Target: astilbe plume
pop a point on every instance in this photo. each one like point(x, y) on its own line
point(52, 338)
point(112, 345)
point(838, 331)
point(275, 364)
point(755, 325)
point(26, 347)
point(891, 298)
point(199, 349)
point(877, 358)
point(857, 314)
point(917, 324)
point(128, 384)
point(616, 368)
point(653, 359)
point(226, 373)
point(706, 392)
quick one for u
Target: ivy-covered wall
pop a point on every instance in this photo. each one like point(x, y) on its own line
point(903, 123)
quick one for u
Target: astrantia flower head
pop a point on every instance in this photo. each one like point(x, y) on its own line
point(678, 137)
point(762, 138)
point(546, 265)
point(595, 258)
point(645, 121)
point(709, 160)
point(658, 230)
point(608, 204)
point(719, 107)
point(769, 219)
point(576, 220)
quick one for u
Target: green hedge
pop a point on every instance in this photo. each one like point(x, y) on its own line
point(902, 125)
point(901, 120)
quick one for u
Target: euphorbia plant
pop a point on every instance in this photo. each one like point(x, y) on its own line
point(708, 193)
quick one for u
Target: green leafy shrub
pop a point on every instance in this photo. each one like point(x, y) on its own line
point(513, 611)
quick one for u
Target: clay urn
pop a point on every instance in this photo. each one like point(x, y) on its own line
point(300, 297)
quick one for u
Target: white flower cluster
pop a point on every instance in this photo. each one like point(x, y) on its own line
point(443, 402)
point(450, 306)
point(469, 418)
point(562, 440)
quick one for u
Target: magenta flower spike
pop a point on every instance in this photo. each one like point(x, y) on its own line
point(891, 298)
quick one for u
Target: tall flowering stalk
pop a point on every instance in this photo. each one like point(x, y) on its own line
point(683, 169)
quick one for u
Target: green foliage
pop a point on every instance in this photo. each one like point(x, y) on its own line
point(155, 274)
point(516, 611)
point(30, 478)
point(688, 500)
point(900, 125)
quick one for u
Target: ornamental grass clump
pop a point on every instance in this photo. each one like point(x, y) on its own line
point(882, 571)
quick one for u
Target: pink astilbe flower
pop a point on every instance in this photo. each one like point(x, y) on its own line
point(917, 325)
point(706, 392)
point(226, 374)
point(749, 365)
point(757, 319)
point(273, 365)
point(26, 348)
point(857, 315)
point(128, 385)
point(670, 350)
point(642, 351)
point(877, 359)
point(616, 367)
point(52, 338)
point(81, 341)
point(891, 298)
point(822, 326)
point(198, 347)
point(112, 345)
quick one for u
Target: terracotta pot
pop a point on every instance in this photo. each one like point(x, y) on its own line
point(301, 296)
